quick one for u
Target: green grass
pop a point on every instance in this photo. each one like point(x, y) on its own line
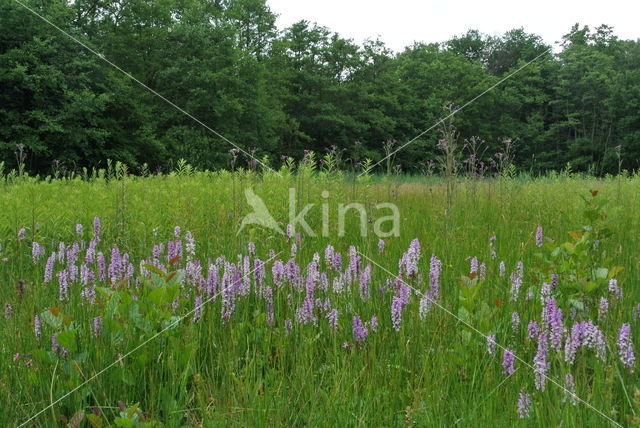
point(245, 372)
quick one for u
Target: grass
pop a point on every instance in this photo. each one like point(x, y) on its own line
point(248, 372)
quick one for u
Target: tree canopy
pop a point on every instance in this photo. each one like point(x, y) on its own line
point(277, 93)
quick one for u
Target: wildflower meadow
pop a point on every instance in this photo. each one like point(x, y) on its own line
point(259, 213)
point(144, 301)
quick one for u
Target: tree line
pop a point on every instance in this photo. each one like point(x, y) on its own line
point(278, 93)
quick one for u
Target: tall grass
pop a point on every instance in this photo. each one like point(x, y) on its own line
point(248, 372)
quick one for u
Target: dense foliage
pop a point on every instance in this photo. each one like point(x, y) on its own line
point(279, 92)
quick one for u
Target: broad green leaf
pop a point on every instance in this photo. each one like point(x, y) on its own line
point(95, 421)
point(67, 339)
point(51, 320)
point(590, 286)
point(176, 279)
point(464, 315)
point(576, 235)
point(43, 356)
point(123, 423)
point(158, 296)
point(602, 273)
point(154, 269)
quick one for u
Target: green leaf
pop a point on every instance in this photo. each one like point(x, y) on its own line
point(111, 308)
point(132, 410)
point(569, 247)
point(602, 273)
point(171, 323)
point(464, 315)
point(577, 303)
point(158, 296)
point(43, 356)
point(51, 320)
point(176, 279)
point(138, 320)
point(154, 269)
point(67, 339)
point(105, 292)
point(95, 421)
point(590, 286)
point(123, 423)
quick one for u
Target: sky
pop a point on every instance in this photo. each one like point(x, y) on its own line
point(399, 23)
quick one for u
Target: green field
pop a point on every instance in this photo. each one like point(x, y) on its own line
point(263, 351)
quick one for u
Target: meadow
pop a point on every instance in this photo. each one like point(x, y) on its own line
point(502, 302)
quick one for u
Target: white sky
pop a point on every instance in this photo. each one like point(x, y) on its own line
point(401, 22)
